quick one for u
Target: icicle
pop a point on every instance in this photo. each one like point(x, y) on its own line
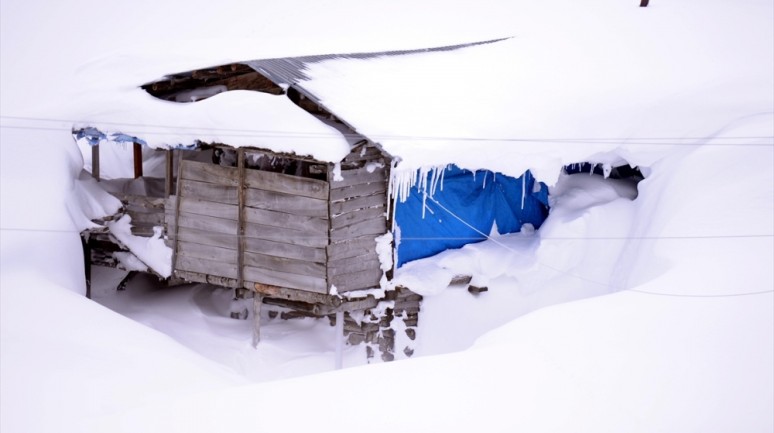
point(486, 173)
point(523, 189)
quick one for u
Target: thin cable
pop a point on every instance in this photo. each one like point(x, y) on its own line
point(250, 133)
point(680, 295)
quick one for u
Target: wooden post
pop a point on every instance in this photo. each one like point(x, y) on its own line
point(257, 301)
point(137, 148)
point(87, 263)
point(95, 161)
point(339, 340)
point(241, 219)
point(169, 180)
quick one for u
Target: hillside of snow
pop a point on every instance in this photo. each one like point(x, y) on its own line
point(671, 324)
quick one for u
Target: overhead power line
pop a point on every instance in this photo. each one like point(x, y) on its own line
point(751, 141)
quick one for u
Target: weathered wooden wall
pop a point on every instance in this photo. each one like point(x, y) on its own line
point(285, 227)
point(358, 206)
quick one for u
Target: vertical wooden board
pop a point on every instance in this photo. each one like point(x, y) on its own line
point(282, 279)
point(287, 184)
point(210, 173)
point(290, 266)
point(286, 220)
point(291, 204)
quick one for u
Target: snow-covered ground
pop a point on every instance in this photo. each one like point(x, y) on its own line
point(682, 340)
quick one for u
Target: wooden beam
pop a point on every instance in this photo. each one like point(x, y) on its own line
point(95, 161)
point(257, 302)
point(241, 228)
point(169, 179)
point(137, 153)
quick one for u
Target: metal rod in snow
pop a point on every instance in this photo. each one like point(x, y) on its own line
point(339, 340)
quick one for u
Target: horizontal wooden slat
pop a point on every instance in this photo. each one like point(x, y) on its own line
point(282, 279)
point(291, 204)
point(287, 184)
point(207, 223)
point(285, 250)
point(205, 266)
point(209, 208)
point(208, 252)
point(360, 175)
point(353, 264)
point(360, 190)
point(309, 238)
point(204, 237)
point(196, 277)
point(341, 207)
point(351, 248)
point(357, 216)
point(143, 201)
point(208, 192)
point(357, 281)
point(286, 220)
point(155, 218)
point(374, 227)
point(210, 173)
point(290, 266)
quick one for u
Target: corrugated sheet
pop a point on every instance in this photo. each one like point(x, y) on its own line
point(291, 70)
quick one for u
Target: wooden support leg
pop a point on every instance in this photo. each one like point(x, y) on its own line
point(95, 161)
point(137, 154)
point(257, 302)
point(339, 340)
point(87, 264)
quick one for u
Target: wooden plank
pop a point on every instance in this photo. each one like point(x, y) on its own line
point(209, 252)
point(357, 216)
point(285, 250)
point(207, 223)
point(290, 266)
point(286, 220)
point(291, 204)
point(283, 279)
point(95, 161)
point(287, 184)
point(374, 227)
point(143, 201)
point(197, 277)
point(208, 192)
point(210, 173)
point(209, 208)
point(206, 266)
point(353, 264)
point(359, 190)
point(341, 207)
point(137, 156)
point(310, 237)
point(357, 280)
point(351, 248)
point(241, 223)
point(168, 177)
point(367, 174)
point(363, 152)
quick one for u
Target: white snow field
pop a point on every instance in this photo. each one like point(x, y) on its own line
point(630, 310)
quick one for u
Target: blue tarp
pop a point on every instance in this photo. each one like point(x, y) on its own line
point(463, 209)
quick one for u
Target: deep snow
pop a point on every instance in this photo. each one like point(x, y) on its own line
point(684, 89)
